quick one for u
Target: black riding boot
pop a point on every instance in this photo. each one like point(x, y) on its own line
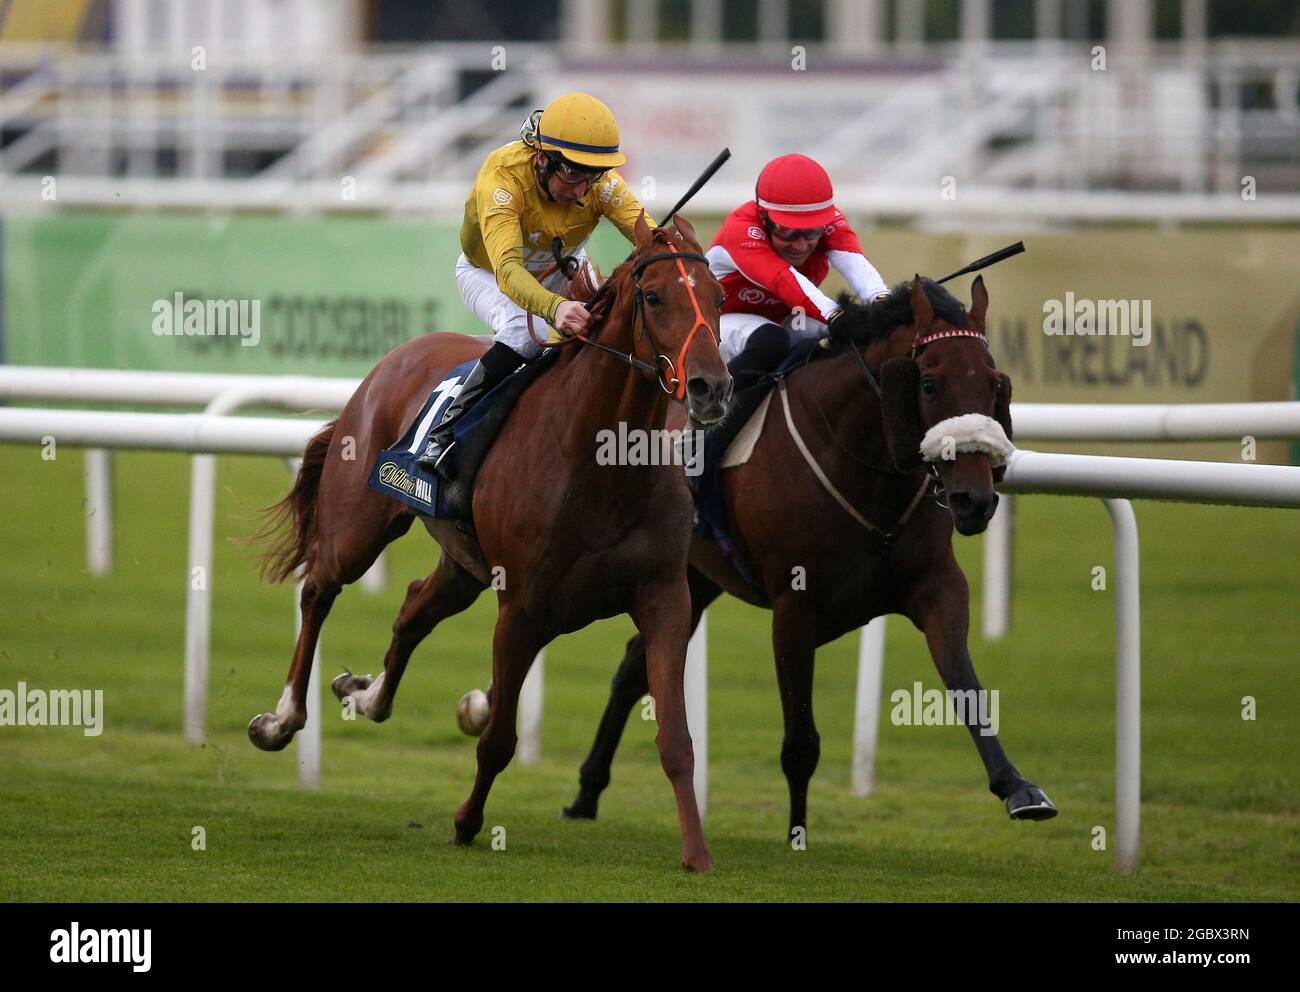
point(497, 363)
point(762, 354)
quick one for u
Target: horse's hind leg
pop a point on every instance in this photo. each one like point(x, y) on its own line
point(446, 591)
point(794, 643)
point(341, 557)
point(630, 685)
point(274, 731)
point(515, 644)
point(939, 605)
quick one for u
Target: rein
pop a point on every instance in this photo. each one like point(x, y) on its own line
point(888, 537)
point(664, 368)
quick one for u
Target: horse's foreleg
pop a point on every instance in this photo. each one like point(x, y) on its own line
point(273, 731)
point(794, 643)
point(446, 591)
point(939, 605)
point(514, 646)
point(629, 686)
point(663, 616)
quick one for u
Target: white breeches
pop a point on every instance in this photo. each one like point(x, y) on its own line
point(506, 319)
point(737, 327)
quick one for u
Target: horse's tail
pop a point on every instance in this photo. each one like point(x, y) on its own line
point(290, 525)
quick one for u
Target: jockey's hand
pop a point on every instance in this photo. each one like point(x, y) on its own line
point(571, 318)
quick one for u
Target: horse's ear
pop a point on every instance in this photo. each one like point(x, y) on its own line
point(684, 228)
point(979, 302)
point(1002, 414)
point(642, 230)
point(900, 380)
point(922, 311)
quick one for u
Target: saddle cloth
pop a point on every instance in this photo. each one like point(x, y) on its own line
point(396, 472)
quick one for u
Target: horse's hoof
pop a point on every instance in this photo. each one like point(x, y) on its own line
point(580, 810)
point(701, 864)
point(347, 683)
point(263, 738)
point(1029, 802)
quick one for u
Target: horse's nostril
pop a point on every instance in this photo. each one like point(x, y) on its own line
point(961, 503)
point(698, 388)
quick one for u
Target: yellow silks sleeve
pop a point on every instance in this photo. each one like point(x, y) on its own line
point(500, 206)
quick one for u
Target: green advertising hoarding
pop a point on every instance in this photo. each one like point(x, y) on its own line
point(331, 295)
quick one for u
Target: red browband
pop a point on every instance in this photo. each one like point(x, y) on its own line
point(952, 332)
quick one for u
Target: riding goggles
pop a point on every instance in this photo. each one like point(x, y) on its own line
point(570, 173)
point(797, 233)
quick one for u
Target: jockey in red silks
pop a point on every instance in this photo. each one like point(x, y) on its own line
point(771, 254)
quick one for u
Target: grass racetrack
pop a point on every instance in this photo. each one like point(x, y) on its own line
point(111, 817)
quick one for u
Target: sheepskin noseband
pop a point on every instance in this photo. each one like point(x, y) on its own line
point(969, 432)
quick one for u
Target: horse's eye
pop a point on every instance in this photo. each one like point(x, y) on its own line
point(652, 299)
point(997, 386)
point(929, 386)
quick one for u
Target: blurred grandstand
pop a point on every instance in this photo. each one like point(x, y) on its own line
point(1037, 108)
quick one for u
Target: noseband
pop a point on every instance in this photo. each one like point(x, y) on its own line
point(918, 343)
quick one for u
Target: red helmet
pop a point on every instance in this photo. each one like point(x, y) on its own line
point(796, 192)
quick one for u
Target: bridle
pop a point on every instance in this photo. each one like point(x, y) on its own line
point(668, 378)
point(918, 343)
point(664, 368)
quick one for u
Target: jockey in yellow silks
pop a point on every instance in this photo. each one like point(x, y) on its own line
point(556, 182)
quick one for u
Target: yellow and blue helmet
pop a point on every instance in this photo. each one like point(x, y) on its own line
point(580, 129)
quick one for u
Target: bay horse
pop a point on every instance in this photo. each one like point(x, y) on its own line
point(863, 407)
point(567, 540)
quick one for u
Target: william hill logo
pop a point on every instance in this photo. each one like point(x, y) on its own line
point(395, 477)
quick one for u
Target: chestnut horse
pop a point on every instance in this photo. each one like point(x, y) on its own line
point(894, 370)
point(575, 541)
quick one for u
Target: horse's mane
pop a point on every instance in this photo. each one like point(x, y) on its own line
point(865, 323)
point(587, 281)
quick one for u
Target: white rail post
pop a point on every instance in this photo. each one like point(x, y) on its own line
point(1128, 686)
point(99, 511)
point(530, 713)
point(997, 569)
point(866, 714)
point(198, 595)
point(696, 689)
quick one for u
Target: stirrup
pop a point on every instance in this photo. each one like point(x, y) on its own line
point(445, 466)
point(434, 454)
